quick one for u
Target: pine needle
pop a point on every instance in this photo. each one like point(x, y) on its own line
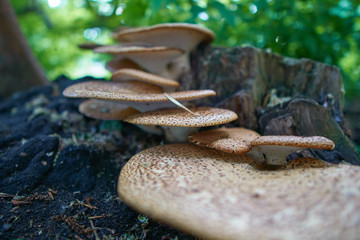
point(173, 100)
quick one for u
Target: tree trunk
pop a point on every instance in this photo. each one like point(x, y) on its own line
point(18, 67)
point(275, 95)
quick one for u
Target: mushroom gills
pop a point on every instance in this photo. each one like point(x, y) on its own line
point(272, 155)
point(178, 134)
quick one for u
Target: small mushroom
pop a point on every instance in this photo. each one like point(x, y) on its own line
point(136, 94)
point(119, 62)
point(214, 195)
point(105, 110)
point(230, 140)
point(273, 150)
point(127, 74)
point(179, 35)
point(152, 59)
point(178, 124)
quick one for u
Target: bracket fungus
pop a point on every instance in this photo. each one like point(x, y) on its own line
point(128, 74)
point(140, 95)
point(214, 195)
point(119, 62)
point(180, 35)
point(105, 110)
point(273, 150)
point(183, 36)
point(153, 59)
point(230, 140)
point(178, 123)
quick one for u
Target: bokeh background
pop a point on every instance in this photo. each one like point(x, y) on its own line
point(322, 30)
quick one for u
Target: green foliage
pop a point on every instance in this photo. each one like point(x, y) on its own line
point(323, 30)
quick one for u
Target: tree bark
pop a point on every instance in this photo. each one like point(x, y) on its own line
point(275, 95)
point(19, 69)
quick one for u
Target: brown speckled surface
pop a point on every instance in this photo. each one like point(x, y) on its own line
point(205, 116)
point(135, 91)
point(230, 140)
point(224, 196)
point(295, 141)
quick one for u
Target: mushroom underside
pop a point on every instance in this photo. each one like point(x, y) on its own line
point(272, 155)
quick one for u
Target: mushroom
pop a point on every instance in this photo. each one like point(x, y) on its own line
point(273, 150)
point(178, 123)
point(230, 140)
point(127, 74)
point(140, 95)
point(152, 59)
point(119, 62)
point(105, 110)
point(215, 195)
point(179, 35)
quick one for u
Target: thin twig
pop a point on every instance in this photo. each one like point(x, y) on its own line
point(94, 230)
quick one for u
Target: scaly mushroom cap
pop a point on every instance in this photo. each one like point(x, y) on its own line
point(177, 117)
point(110, 90)
point(127, 74)
point(180, 35)
point(135, 91)
point(119, 62)
point(106, 110)
point(273, 150)
point(214, 195)
point(152, 59)
point(230, 140)
point(295, 141)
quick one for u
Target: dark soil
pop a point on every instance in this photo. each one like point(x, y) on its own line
point(59, 171)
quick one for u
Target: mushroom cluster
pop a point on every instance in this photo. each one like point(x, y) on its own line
point(230, 183)
point(145, 67)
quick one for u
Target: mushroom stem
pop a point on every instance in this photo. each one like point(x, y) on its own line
point(178, 66)
point(178, 134)
point(150, 129)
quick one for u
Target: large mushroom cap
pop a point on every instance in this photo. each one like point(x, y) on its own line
point(109, 90)
point(177, 117)
point(274, 149)
point(180, 35)
point(127, 74)
point(105, 110)
point(230, 140)
point(214, 195)
point(135, 91)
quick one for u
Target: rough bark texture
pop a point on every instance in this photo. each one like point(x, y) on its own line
point(18, 68)
point(255, 83)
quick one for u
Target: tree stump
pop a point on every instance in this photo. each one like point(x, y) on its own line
point(275, 95)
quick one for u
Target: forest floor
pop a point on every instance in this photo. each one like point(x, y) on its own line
point(59, 171)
